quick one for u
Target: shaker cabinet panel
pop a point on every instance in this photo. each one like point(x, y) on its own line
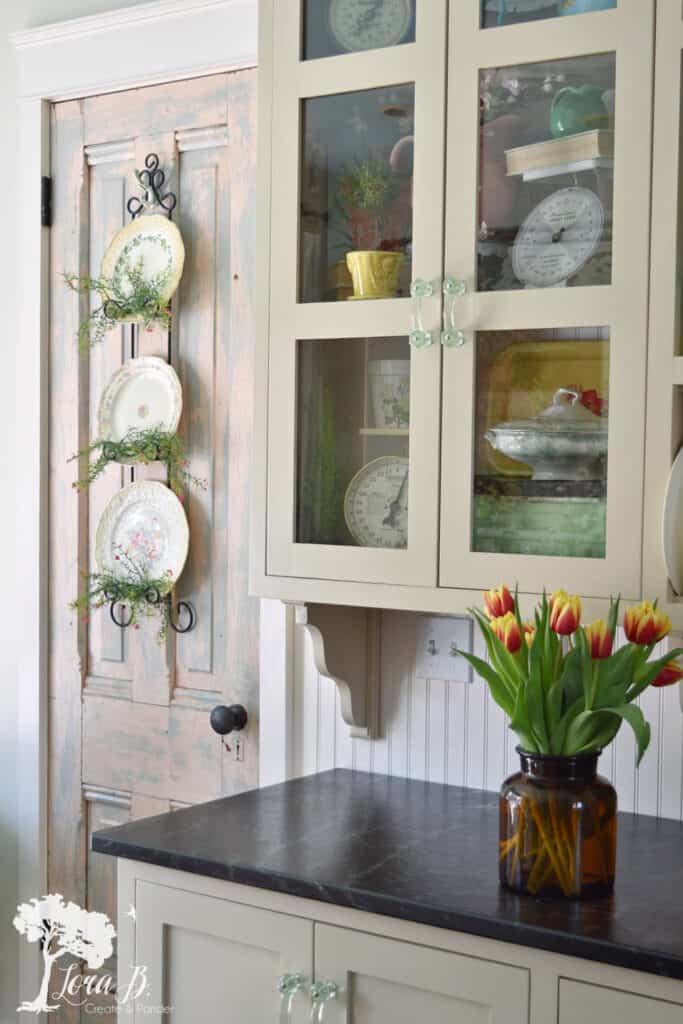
point(382, 980)
point(592, 1004)
point(211, 959)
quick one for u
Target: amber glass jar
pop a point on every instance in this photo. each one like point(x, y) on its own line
point(558, 827)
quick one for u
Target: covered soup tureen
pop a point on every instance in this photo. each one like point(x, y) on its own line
point(564, 442)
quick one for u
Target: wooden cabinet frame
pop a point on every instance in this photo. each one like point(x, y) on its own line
point(421, 63)
point(664, 434)
point(380, 579)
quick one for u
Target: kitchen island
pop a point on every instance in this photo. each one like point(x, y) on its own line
point(390, 888)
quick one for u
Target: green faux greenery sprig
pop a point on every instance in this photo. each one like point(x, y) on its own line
point(367, 184)
point(132, 295)
point(140, 446)
point(142, 595)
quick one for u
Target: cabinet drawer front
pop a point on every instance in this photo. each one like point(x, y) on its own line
point(384, 980)
point(592, 1004)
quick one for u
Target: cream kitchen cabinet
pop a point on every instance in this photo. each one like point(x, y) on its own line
point(211, 959)
point(380, 980)
point(485, 167)
point(215, 950)
point(663, 554)
point(594, 1004)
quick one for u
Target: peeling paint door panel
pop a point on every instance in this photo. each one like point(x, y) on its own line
point(129, 733)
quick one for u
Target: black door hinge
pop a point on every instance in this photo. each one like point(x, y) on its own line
point(46, 201)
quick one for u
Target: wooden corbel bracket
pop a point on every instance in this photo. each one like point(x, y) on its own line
point(346, 648)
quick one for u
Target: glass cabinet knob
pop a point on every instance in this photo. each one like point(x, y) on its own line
point(288, 986)
point(419, 290)
point(322, 993)
point(451, 335)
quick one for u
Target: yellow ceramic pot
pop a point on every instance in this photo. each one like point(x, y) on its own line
point(374, 274)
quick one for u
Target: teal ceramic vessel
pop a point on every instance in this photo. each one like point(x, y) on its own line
point(568, 7)
point(578, 109)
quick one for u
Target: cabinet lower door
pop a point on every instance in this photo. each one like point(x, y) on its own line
point(592, 1004)
point(212, 960)
point(381, 980)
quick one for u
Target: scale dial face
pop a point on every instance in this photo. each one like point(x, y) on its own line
point(376, 504)
point(558, 237)
point(369, 24)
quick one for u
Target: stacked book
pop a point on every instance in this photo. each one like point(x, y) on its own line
point(568, 154)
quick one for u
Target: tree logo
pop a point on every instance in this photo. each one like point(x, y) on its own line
point(62, 928)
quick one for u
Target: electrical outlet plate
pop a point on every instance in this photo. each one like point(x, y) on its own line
point(438, 639)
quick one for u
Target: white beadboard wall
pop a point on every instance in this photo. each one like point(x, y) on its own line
point(454, 733)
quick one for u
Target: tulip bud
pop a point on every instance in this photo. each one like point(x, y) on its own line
point(507, 630)
point(644, 624)
point(498, 602)
point(671, 673)
point(565, 613)
point(529, 632)
point(599, 638)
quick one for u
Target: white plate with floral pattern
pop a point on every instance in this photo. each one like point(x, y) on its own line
point(143, 533)
point(151, 244)
point(143, 394)
point(672, 526)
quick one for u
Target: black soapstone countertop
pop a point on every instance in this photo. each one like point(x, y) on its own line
point(421, 852)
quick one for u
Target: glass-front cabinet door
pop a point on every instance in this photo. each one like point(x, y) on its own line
point(356, 199)
point(546, 263)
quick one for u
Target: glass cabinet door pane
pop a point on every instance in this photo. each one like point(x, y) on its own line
point(333, 27)
point(546, 174)
point(352, 442)
point(495, 13)
point(356, 219)
point(540, 485)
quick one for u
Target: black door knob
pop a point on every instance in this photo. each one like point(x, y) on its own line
point(226, 720)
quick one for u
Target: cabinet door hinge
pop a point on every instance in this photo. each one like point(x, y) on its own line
point(46, 201)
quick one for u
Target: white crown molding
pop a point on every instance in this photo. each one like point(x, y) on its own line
point(92, 24)
point(155, 42)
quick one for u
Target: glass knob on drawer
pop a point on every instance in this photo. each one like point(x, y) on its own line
point(451, 335)
point(419, 290)
point(288, 986)
point(322, 993)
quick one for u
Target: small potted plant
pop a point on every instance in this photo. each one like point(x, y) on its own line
point(366, 189)
point(566, 692)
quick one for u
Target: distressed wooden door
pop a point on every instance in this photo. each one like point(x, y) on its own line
point(129, 732)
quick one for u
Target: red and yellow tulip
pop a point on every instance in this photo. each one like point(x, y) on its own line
point(506, 629)
point(529, 632)
point(671, 673)
point(644, 624)
point(565, 613)
point(498, 602)
point(600, 640)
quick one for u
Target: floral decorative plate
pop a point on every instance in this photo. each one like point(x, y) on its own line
point(151, 244)
point(143, 529)
point(143, 394)
point(672, 529)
